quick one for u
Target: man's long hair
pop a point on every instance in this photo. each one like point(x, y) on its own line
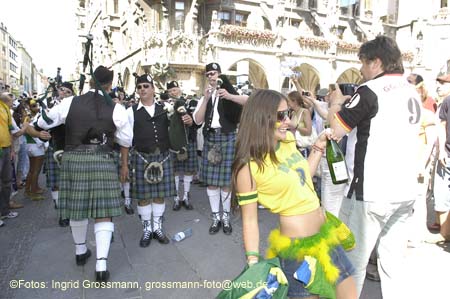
point(386, 49)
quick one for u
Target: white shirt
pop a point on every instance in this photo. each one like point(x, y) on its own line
point(150, 110)
point(123, 134)
point(215, 123)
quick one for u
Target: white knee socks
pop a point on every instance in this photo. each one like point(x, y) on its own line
point(79, 231)
point(158, 212)
point(187, 184)
point(214, 199)
point(126, 192)
point(145, 212)
point(103, 234)
point(177, 182)
point(226, 200)
point(55, 197)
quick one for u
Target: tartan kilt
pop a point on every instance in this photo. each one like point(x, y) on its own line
point(140, 188)
point(189, 165)
point(218, 175)
point(117, 161)
point(51, 169)
point(89, 186)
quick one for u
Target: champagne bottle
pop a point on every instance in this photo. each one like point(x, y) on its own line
point(336, 163)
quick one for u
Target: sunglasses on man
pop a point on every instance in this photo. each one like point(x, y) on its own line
point(65, 90)
point(210, 74)
point(140, 86)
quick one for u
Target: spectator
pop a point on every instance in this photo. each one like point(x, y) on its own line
point(379, 201)
point(5, 157)
point(442, 175)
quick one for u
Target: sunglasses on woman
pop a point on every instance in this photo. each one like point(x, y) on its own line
point(282, 115)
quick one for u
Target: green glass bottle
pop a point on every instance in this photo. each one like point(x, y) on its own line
point(336, 163)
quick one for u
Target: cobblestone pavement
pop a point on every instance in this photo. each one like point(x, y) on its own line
point(41, 254)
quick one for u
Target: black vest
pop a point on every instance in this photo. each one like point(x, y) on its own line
point(58, 137)
point(226, 125)
point(89, 121)
point(149, 132)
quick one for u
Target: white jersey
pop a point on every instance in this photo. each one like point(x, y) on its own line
point(386, 112)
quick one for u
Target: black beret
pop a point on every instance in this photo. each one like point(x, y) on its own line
point(213, 67)
point(172, 84)
point(103, 75)
point(68, 85)
point(145, 78)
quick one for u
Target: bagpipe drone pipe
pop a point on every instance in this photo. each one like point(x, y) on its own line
point(231, 109)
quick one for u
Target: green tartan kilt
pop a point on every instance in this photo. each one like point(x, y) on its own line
point(140, 188)
point(51, 169)
point(89, 186)
point(218, 175)
point(190, 164)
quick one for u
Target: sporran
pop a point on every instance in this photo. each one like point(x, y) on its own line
point(182, 155)
point(215, 154)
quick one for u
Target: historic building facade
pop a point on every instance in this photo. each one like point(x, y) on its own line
point(262, 42)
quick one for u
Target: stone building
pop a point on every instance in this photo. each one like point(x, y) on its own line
point(262, 42)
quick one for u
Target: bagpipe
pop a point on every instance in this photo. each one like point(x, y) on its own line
point(232, 110)
point(178, 132)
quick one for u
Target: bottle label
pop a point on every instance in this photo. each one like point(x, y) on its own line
point(340, 171)
point(182, 235)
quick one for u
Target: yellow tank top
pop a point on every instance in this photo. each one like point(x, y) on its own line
point(285, 188)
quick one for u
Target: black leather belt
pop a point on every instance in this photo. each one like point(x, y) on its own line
point(215, 130)
point(151, 151)
point(94, 148)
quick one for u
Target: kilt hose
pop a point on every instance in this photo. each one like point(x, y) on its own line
point(218, 175)
point(89, 186)
point(140, 188)
point(190, 165)
point(51, 169)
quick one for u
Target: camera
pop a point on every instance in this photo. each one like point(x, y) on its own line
point(347, 89)
point(306, 93)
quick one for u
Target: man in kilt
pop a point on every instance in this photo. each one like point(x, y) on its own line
point(218, 151)
point(117, 96)
point(150, 186)
point(56, 144)
point(89, 186)
point(186, 166)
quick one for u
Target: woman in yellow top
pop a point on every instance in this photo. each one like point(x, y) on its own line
point(268, 169)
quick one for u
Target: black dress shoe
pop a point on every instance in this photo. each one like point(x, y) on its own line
point(81, 259)
point(176, 205)
point(226, 223)
point(146, 238)
point(215, 227)
point(129, 209)
point(63, 222)
point(160, 236)
point(101, 276)
point(227, 229)
point(187, 205)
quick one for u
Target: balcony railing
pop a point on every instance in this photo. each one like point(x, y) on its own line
point(237, 35)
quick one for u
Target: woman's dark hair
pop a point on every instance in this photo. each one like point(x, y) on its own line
point(20, 113)
point(385, 49)
point(255, 139)
point(295, 96)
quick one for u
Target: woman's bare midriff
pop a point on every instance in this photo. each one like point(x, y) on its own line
point(301, 226)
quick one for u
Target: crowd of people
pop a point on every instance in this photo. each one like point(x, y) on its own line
point(101, 152)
